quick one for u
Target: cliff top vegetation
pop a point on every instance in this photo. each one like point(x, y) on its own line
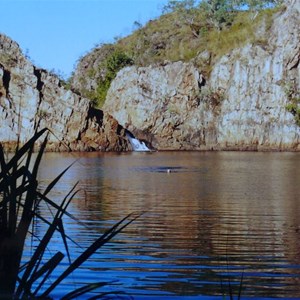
point(201, 31)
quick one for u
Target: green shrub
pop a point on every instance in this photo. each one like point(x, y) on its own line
point(112, 65)
point(293, 96)
point(213, 97)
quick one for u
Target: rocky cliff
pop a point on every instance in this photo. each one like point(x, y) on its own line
point(32, 98)
point(241, 105)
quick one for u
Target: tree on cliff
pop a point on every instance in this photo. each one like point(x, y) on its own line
point(187, 13)
point(213, 13)
point(206, 13)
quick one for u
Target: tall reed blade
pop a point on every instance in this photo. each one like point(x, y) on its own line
point(36, 258)
point(47, 268)
point(39, 157)
point(56, 206)
point(80, 291)
point(54, 182)
point(107, 236)
point(38, 254)
point(19, 207)
point(27, 146)
point(64, 238)
point(241, 285)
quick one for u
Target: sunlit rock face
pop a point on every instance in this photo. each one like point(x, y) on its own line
point(32, 98)
point(255, 79)
point(240, 106)
point(161, 104)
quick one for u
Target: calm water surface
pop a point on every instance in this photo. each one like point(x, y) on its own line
point(215, 218)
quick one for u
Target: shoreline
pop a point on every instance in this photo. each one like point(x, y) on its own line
point(10, 147)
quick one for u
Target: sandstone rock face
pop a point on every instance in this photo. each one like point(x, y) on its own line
point(241, 106)
point(31, 99)
point(160, 104)
point(255, 80)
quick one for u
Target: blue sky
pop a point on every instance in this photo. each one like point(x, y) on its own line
point(56, 33)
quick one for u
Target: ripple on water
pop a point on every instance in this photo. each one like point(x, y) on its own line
point(221, 218)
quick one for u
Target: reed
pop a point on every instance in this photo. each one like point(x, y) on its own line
point(227, 288)
point(20, 198)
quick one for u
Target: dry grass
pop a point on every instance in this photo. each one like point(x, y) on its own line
point(169, 38)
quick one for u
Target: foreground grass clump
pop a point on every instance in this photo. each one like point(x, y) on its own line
point(20, 198)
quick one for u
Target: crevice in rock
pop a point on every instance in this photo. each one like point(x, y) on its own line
point(39, 87)
point(5, 79)
point(92, 113)
point(97, 114)
point(293, 63)
point(39, 84)
point(119, 130)
point(201, 81)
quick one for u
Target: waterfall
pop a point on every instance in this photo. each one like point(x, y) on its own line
point(136, 144)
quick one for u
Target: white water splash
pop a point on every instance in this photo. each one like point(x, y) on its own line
point(136, 144)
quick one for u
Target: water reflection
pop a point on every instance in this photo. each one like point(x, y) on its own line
point(214, 216)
